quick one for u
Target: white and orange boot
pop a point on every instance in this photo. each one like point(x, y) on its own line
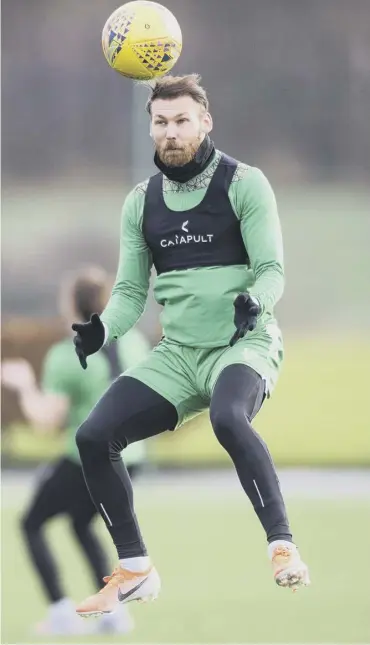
point(121, 587)
point(288, 568)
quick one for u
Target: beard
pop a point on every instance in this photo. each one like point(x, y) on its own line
point(175, 155)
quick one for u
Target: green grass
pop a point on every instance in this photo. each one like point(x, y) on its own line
point(217, 585)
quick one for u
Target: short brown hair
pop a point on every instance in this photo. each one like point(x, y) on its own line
point(86, 291)
point(172, 87)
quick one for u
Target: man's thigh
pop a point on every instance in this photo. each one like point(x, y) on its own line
point(262, 350)
point(169, 370)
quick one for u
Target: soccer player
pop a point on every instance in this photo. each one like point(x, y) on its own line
point(64, 399)
point(210, 227)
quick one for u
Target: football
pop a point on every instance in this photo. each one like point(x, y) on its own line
point(142, 40)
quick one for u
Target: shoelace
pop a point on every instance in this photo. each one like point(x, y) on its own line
point(281, 551)
point(113, 578)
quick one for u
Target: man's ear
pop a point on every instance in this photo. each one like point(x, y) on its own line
point(207, 123)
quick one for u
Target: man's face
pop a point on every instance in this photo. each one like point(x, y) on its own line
point(178, 127)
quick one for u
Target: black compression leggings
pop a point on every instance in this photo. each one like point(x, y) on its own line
point(130, 411)
point(237, 397)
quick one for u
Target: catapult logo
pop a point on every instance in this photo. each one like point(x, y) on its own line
point(181, 238)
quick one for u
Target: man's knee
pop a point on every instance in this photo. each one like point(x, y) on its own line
point(92, 443)
point(81, 437)
point(228, 422)
point(86, 436)
point(237, 397)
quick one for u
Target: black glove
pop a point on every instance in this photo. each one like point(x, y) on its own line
point(246, 314)
point(89, 338)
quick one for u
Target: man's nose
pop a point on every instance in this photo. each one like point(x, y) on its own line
point(171, 132)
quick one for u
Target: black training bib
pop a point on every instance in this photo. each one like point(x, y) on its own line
point(206, 235)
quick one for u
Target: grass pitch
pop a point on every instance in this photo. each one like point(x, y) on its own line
point(217, 586)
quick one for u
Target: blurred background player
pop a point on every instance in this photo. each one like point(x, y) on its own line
point(63, 400)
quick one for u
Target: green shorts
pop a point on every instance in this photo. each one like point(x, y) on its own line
point(186, 376)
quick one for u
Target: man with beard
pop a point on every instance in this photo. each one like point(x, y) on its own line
point(209, 225)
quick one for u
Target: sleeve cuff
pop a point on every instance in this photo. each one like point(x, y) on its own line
point(106, 333)
point(258, 301)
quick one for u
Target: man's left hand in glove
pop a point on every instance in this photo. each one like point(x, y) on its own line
point(247, 310)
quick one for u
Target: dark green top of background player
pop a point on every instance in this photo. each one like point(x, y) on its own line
point(62, 375)
point(86, 294)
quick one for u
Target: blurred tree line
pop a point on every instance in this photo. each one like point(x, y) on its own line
point(289, 85)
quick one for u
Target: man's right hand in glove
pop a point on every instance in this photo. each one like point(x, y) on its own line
point(89, 338)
